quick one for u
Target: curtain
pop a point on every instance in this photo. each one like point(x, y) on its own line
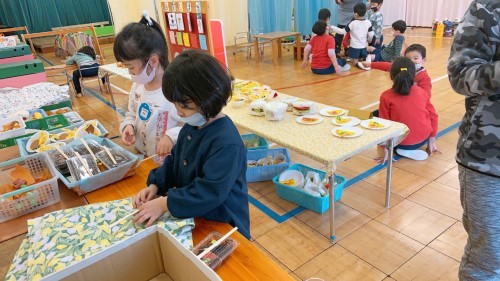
point(423, 12)
point(270, 15)
point(393, 10)
point(306, 13)
point(42, 15)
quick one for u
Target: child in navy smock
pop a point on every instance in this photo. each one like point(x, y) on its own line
point(204, 176)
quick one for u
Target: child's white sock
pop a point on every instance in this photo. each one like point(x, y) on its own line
point(416, 154)
point(369, 58)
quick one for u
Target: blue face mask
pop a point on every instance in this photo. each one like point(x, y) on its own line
point(418, 66)
point(195, 120)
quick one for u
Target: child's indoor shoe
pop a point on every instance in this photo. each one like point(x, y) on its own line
point(416, 154)
point(368, 58)
point(346, 67)
point(360, 65)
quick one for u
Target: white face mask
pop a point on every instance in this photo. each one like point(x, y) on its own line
point(418, 66)
point(195, 120)
point(143, 78)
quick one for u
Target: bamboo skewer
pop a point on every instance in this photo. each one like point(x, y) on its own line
point(217, 243)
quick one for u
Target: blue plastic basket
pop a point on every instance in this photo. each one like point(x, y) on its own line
point(22, 142)
point(251, 140)
point(266, 173)
point(305, 199)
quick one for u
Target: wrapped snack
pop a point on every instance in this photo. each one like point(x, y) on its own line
point(289, 102)
point(304, 108)
point(60, 161)
point(119, 155)
point(275, 111)
point(93, 145)
point(82, 167)
point(257, 107)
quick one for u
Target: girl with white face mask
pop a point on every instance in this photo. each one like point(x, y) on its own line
point(205, 175)
point(151, 121)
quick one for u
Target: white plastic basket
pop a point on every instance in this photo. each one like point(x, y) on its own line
point(33, 197)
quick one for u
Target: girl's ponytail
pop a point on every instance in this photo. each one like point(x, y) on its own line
point(402, 75)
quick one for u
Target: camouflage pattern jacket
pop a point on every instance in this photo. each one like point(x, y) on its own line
point(474, 71)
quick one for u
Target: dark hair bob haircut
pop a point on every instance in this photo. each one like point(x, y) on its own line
point(88, 51)
point(319, 27)
point(403, 75)
point(416, 48)
point(196, 76)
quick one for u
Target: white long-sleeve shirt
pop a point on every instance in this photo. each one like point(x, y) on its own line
point(152, 116)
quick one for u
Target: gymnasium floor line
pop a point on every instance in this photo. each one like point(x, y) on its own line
point(282, 218)
point(318, 82)
point(92, 92)
point(377, 102)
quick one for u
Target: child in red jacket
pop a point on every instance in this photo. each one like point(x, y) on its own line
point(409, 104)
point(415, 52)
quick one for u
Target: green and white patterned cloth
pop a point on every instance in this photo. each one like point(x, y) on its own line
point(62, 238)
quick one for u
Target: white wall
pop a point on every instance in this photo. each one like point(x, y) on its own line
point(234, 16)
point(233, 13)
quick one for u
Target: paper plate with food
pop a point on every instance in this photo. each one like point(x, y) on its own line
point(37, 140)
point(347, 132)
point(89, 127)
point(50, 146)
point(309, 119)
point(65, 135)
point(376, 124)
point(332, 111)
point(345, 120)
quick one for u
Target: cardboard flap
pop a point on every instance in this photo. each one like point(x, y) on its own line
point(361, 114)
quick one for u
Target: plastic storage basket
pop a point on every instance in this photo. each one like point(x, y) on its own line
point(252, 141)
point(266, 173)
point(23, 141)
point(305, 199)
point(33, 197)
point(104, 178)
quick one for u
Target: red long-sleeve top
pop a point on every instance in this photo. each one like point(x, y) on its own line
point(414, 110)
point(422, 78)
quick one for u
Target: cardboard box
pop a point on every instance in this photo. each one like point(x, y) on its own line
point(361, 114)
point(152, 254)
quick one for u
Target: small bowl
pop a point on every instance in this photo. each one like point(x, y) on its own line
point(279, 158)
point(288, 175)
point(237, 102)
point(89, 127)
point(36, 140)
point(50, 146)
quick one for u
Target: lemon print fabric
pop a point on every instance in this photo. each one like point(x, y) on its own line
point(62, 238)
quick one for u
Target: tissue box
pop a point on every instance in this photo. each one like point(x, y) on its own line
point(152, 254)
point(305, 199)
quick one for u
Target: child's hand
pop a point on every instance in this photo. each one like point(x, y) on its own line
point(145, 195)
point(377, 41)
point(304, 64)
point(383, 155)
point(151, 211)
point(338, 70)
point(164, 146)
point(128, 135)
point(432, 146)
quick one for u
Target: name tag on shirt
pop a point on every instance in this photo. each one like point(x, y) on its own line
point(144, 112)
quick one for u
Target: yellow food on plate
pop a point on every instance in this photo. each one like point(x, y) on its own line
point(335, 112)
point(290, 182)
point(342, 120)
point(344, 133)
point(309, 119)
point(37, 115)
point(375, 124)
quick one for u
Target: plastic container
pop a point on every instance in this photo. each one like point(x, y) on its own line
point(252, 141)
point(104, 178)
point(66, 103)
point(305, 199)
point(30, 198)
point(73, 117)
point(50, 123)
point(23, 140)
point(267, 172)
point(217, 255)
point(12, 133)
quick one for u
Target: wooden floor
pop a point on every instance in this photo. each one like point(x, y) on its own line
point(419, 238)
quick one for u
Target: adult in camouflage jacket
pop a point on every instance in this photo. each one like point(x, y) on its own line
point(474, 71)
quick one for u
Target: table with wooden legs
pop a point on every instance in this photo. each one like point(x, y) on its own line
point(275, 38)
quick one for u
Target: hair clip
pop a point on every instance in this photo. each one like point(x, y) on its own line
point(403, 69)
point(146, 16)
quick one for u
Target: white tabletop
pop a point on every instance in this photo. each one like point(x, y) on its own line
point(114, 69)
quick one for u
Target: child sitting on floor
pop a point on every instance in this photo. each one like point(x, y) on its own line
point(409, 104)
point(415, 52)
point(322, 47)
